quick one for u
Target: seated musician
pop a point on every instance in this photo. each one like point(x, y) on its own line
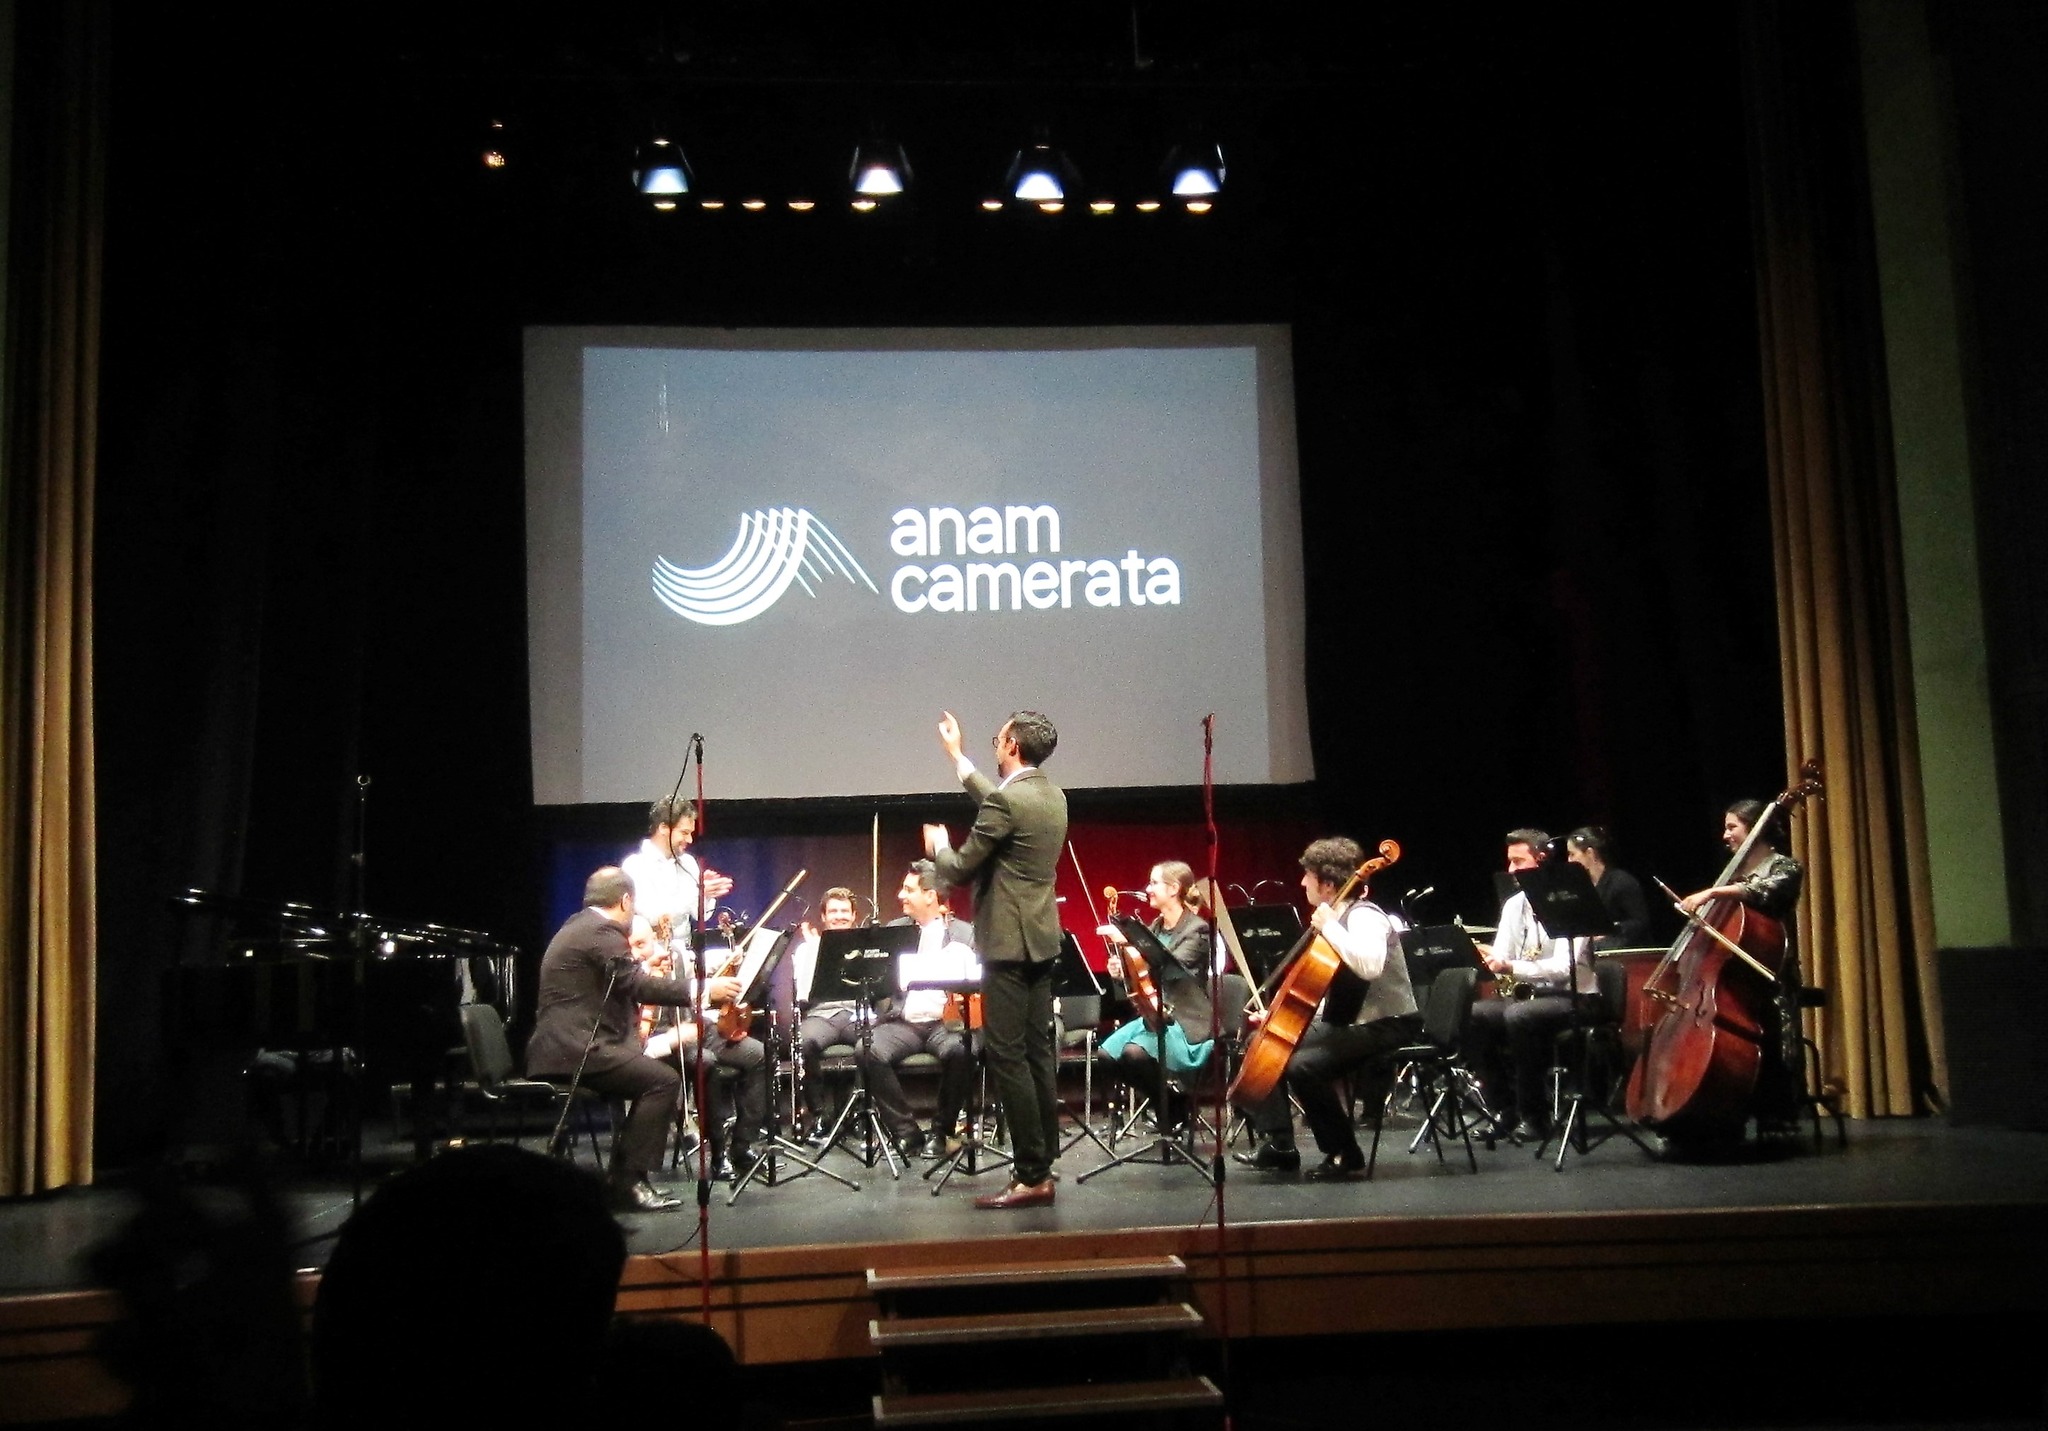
point(1620, 893)
point(919, 1025)
point(1770, 882)
point(671, 1037)
point(1511, 1037)
point(835, 1021)
point(1190, 1030)
point(590, 992)
point(1335, 1046)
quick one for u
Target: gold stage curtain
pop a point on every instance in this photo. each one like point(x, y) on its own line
point(52, 355)
point(1867, 921)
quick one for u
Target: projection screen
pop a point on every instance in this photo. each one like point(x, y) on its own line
point(805, 545)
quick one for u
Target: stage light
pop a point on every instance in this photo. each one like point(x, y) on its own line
point(494, 156)
point(802, 206)
point(1040, 174)
point(753, 206)
point(1199, 206)
point(712, 206)
point(1195, 171)
point(992, 206)
point(879, 169)
point(865, 206)
point(1147, 206)
point(661, 170)
point(1102, 206)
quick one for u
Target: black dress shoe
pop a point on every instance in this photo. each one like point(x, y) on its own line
point(642, 1196)
point(1338, 1167)
point(1271, 1159)
point(1527, 1132)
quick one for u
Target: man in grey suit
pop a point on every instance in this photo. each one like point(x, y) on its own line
point(1010, 859)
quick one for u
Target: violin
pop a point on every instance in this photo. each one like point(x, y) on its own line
point(1305, 976)
point(746, 959)
point(1137, 976)
point(1698, 1071)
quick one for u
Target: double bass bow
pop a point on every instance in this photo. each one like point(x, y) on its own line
point(1304, 976)
point(1698, 1070)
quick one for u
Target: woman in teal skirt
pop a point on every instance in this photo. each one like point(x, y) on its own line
point(1182, 982)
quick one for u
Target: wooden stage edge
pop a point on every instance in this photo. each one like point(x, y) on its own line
point(1353, 1276)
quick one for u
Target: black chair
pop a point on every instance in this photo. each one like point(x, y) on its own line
point(1813, 1091)
point(1434, 1067)
point(498, 1083)
point(1079, 1019)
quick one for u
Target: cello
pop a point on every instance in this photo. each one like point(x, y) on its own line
point(1305, 976)
point(1698, 1069)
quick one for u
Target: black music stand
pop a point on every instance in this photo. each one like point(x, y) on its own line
point(1564, 903)
point(1265, 932)
point(776, 1147)
point(858, 966)
point(973, 1157)
point(1432, 948)
point(1174, 985)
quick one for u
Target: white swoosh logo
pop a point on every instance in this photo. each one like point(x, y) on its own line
point(774, 548)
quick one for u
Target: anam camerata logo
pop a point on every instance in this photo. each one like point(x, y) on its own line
point(787, 545)
point(774, 549)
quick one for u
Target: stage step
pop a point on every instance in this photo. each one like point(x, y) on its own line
point(1039, 1332)
point(950, 1279)
point(1171, 1396)
point(1025, 1326)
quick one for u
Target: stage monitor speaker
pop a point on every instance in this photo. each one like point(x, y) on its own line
point(1997, 1061)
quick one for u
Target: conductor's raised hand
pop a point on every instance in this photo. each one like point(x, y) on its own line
point(949, 734)
point(935, 839)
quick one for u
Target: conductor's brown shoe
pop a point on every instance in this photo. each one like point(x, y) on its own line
point(1020, 1195)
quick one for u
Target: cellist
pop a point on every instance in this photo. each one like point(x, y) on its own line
point(1190, 1031)
point(1336, 1045)
point(1770, 882)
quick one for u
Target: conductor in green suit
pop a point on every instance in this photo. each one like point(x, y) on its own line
point(1009, 860)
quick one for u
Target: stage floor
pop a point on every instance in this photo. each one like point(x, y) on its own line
point(1913, 1233)
point(1918, 1163)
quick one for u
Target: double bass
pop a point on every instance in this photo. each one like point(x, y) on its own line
point(1698, 1069)
point(1305, 976)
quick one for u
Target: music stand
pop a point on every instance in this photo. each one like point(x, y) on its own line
point(1564, 903)
point(1265, 932)
point(858, 966)
point(1432, 948)
point(776, 1147)
point(1176, 987)
point(973, 1156)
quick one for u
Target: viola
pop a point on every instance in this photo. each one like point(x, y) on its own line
point(1698, 1070)
point(1137, 976)
point(1305, 976)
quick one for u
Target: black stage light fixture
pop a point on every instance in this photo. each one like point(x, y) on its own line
point(661, 173)
point(1040, 176)
point(1194, 174)
point(880, 170)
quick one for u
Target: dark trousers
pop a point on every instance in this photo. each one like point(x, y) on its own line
point(1512, 1041)
point(651, 1087)
point(1017, 1018)
point(744, 1099)
point(814, 1035)
point(1326, 1053)
point(898, 1039)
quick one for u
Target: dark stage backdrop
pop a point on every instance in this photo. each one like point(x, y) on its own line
point(1516, 268)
